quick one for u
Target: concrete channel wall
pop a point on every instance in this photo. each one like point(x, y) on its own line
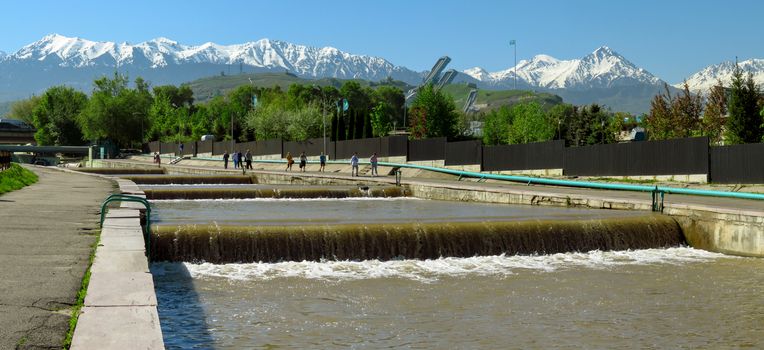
point(729, 231)
point(120, 310)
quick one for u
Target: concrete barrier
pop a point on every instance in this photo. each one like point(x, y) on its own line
point(120, 310)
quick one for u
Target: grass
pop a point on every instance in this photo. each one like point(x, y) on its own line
point(207, 88)
point(15, 178)
point(494, 99)
point(81, 295)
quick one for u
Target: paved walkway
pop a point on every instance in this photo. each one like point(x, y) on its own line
point(46, 236)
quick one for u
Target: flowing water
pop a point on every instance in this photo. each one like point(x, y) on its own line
point(358, 210)
point(644, 299)
point(641, 299)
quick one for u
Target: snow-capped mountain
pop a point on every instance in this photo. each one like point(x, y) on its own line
point(603, 76)
point(67, 52)
point(603, 68)
point(3, 54)
point(702, 81)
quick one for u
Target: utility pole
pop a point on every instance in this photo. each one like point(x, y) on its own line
point(514, 44)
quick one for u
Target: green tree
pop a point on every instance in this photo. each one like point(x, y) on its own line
point(442, 118)
point(304, 123)
point(418, 123)
point(744, 122)
point(496, 126)
point(560, 116)
point(116, 112)
point(686, 111)
point(268, 121)
point(55, 116)
point(529, 124)
point(659, 122)
point(381, 117)
point(715, 111)
point(23, 109)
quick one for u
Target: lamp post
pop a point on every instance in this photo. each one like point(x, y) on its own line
point(323, 112)
point(513, 43)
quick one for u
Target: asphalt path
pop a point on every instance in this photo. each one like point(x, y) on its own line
point(47, 232)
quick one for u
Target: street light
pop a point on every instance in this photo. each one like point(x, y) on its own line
point(514, 44)
point(323, 112)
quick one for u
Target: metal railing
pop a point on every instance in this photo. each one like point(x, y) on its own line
point(134, 199)
point(657, 192)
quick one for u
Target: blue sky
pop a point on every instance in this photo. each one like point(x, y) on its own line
point(671, 39)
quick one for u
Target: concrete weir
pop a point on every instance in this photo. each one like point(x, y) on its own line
point(733, 227)
point(120, 310)
point(240, 244)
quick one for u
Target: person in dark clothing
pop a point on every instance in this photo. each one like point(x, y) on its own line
point(303, 161)
point(225, 160)
point(248, 158)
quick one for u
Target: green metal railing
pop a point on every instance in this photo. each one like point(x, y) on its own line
point(657, 192)
point(134, 199)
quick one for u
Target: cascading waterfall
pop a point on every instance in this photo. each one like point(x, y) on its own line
point(229, 244)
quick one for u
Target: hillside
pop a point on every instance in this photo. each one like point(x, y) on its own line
point(493, 99)
point(207, 88)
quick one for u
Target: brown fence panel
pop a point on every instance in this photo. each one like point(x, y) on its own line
point(154, 146)
point(393, 146)
point(311, 147)
point(266, 147)
point(669, 157)
point(737, 164)
point(427, 149)
point(530, 156)
point(221, 147)
point(204, 146)
point(464, 152)
point(363, 147)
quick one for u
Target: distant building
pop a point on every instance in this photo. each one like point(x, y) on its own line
point(16, 132)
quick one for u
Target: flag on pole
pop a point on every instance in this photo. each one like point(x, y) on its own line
point(511, 42)
point(345, 104)
point(254, 101)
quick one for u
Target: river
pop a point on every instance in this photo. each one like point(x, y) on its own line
point(641, 299)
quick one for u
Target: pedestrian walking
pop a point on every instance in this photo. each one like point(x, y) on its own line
point(248, 157)
point(290, 161)
point(235, 160)
point(157, 159)
point(241, 159)
point(225, 159)
point(322, 160)
point(303, 161)
point(354, 165)
point(373, 161)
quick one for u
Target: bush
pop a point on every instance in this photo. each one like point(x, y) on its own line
point(15, 178)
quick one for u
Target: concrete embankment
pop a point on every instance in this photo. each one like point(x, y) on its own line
point(234, 193)
point(120, 308)
point(229, 244)
point(731, 226)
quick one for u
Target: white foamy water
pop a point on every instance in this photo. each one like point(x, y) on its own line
point(432, 270)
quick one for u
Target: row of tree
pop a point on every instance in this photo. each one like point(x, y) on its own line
point(577, 125)
point(729, 115)
point(131, 114)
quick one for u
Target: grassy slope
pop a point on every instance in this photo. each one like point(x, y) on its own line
point(207, 88)
point(15, 178)
point(493, 99)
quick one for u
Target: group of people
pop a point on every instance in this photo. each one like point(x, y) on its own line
point(304, 161)
point(354, 164)
point(243, 161)
point(5, 160)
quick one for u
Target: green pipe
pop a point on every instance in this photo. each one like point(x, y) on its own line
point(558, 182)
point(134, 199)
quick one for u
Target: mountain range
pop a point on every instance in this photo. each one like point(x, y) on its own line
point(604, 76)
